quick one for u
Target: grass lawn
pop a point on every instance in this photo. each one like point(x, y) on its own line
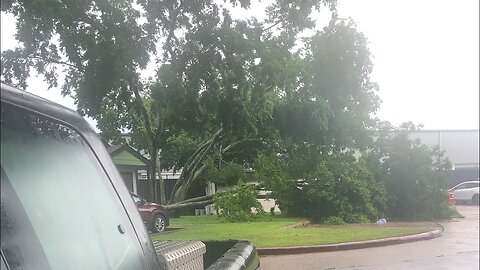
point(276, 232)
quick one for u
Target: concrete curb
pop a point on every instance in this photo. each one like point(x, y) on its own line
point(351, 245)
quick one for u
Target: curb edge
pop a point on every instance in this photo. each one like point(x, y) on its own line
point(352, 245)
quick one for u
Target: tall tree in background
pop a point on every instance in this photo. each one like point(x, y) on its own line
point(329, 110)
point(229, 73)
point(312, 170)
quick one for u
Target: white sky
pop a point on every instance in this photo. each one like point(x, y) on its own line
point(426, 56)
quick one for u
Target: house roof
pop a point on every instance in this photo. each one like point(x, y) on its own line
point(115, 150)
point(112, 149)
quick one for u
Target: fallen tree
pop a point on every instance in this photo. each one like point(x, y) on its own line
point(177, 206)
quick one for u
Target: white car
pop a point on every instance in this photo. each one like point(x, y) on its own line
point(467, 192)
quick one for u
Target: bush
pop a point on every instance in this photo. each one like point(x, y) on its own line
point(415, 175)
point(396, 177)
point(271, 171)
point(332, 220)
point(236, 206)
point(340, 186)
point(357, 218)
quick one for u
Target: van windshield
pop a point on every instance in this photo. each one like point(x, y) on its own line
point(58, 207)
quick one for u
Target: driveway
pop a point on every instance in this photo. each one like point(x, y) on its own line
point(457, 248)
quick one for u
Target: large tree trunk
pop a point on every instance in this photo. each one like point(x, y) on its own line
point(156, 187)
point(189, 204)
point(195, 166)
point(136, 86)
point(161, 185)
point(192, 169)
point(152, 178)
point(200, 201)
point(196, 199)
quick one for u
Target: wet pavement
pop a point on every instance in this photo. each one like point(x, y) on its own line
point(457, 248)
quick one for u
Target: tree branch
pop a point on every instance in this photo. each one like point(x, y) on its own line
point(143, 110)
point(186, 169)
point(201, 198)
point(51, 60)
point(199, 155)
point(190, 204)
point(202, 156)
point(271, 26)
point(230, 146)
point(198, 172)
point(192, 164)
point(200, 149)
point(171, 31)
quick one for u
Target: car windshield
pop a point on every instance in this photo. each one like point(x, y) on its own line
point(58, 207)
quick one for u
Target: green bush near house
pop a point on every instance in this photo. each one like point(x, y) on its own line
point(236, 206)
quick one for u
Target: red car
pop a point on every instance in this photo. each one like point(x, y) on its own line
point(153, 215)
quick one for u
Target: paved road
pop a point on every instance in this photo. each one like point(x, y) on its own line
point(457, 248)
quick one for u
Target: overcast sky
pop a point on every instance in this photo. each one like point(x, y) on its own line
point(426, 56)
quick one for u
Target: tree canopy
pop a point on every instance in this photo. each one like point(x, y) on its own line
point(217, 79)
point(209, 95)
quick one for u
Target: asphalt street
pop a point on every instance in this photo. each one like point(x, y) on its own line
point(457, 248)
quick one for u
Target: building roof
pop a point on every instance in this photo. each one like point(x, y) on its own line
point(115, 150)
point(112, 149)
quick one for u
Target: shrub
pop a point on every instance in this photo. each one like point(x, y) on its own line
point(415, 175)
point(396, 177)
point(340, 186)
point(236, 206)
point(357, 218)
point(272, 173)
point(333, 220)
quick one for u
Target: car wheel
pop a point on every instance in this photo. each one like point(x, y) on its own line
point(475, 199)
point(158, 223)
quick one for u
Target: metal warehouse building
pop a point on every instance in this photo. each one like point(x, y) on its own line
point(460, 146)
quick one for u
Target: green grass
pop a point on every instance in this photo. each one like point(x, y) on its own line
point(276, 232)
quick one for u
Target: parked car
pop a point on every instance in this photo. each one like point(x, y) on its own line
point(154, 216)
point(64, 205)
point(466, 192)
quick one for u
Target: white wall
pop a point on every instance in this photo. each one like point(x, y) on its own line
point(460, 146)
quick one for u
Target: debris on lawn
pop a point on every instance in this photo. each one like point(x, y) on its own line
point(382, 221)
